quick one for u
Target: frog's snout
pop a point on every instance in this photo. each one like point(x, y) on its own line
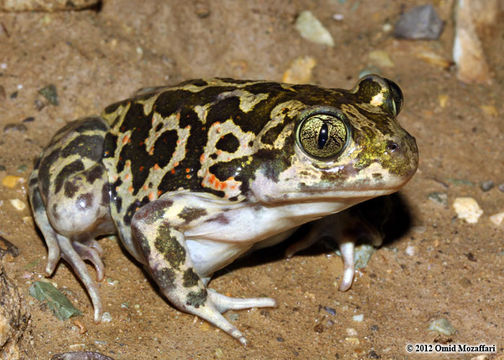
point(404, 151)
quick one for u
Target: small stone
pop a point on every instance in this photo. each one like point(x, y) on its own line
point(300, 70)
point(50, 93)
point(351, 332)
point(29, 119)
point(112, 282)
point(410, 250)
point(352, 340)
point(310, 28)
point(233, 316)
point(329, 310)
point(363, 254)
point(11, 128)
point(489, 110)
point(39, 105)
point(18, 204)
point(380, 58)
point(501, 187)
point(421, 22)
point(487, 185)
point(319, 328)
point(373, 355)
point(467, 209)
point(202, 9)
point(443, 100)
point(442, 326)
point(434, 59)
point(468, 52)
point(106, 317)
point(438, 197)
point(497, 219)
point(358, 318)
point(369, 70)
point(11, 181)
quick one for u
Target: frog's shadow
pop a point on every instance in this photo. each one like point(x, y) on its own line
point(394, 224)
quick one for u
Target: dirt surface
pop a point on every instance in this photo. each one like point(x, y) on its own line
point(440, 266)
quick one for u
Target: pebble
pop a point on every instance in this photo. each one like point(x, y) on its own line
point(369, 70)
point(329, 310)
point(497, 219)
point(380, 58)
point(442, 326)
point(106, 317)
point(501, 187)
point(434, 59)
point(300, 70)
point(468, 52)
point(411, 250)
point(467, 209)
point(487, 185)
point(362, 255)
point(358, 318)
point(11, 181)
point(352, 340)
point(310, 28)
point(438, 198)
point(420, 22)
point(18, 204)
point(351, 332)
point(11, 128)
point(50, 93)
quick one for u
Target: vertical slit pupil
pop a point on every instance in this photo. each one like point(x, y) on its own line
point(323, 136)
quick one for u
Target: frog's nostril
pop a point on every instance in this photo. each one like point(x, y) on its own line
point(392, 146)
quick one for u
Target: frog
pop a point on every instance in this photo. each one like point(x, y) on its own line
point(191, 177)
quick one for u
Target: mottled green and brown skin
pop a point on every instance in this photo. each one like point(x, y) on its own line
point(193, 176)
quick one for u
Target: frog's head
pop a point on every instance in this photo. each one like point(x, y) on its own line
point(339, 145)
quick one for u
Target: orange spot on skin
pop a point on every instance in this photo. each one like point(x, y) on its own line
point(159, 192)
point(141, 168)
point(176, 164)
point(156, 167)
point(126, 177)
point(188, 176)
point(187, 170)
point(130, 189)
point(145, 187)
point(125, 139)
point(173, 171)
point(202, 158)
point(152, 196)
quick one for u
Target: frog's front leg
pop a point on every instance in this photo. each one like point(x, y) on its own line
point(156, 229)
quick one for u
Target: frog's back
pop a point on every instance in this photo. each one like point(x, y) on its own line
point(200, 136)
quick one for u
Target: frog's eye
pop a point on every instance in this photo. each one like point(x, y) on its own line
point(380, 92)
point(322, 136)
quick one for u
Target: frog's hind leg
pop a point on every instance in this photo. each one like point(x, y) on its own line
point(40, 216)
point(69, 195)
point(72, 252)
point(168, 261)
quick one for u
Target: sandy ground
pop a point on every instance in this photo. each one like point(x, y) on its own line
point(439, 266)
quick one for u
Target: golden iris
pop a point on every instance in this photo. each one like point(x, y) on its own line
point(322, 136)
